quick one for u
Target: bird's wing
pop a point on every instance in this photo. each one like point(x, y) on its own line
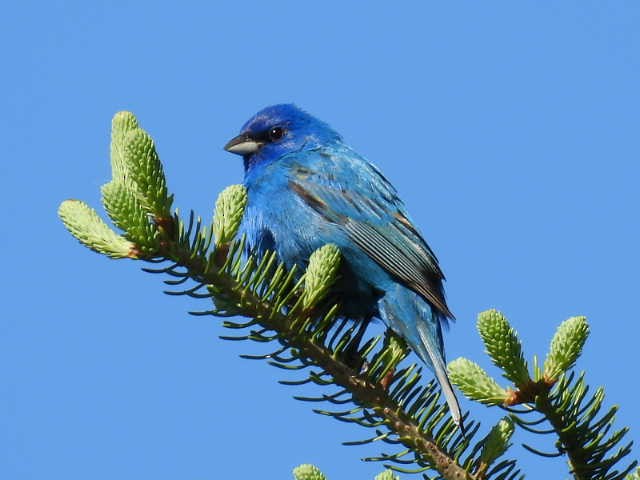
point(348, 191)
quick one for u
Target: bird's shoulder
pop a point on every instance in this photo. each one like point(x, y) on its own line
point(339, 170)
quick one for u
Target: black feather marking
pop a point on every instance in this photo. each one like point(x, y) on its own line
point(423, 281)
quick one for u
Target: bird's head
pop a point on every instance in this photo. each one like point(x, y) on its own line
point(276, 131)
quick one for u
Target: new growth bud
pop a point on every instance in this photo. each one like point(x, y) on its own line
point(230, 207)
point(321, 274)
point(503, 346)
point(566, 347)
point(475, 382)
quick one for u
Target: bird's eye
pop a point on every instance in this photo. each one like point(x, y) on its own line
point(276, 133)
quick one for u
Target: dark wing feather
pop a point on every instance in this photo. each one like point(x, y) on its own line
point(351, 193)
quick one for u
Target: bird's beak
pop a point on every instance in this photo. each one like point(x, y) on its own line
point(243, 144)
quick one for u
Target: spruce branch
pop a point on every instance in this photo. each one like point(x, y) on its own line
point(556, 394)
point(288, 308)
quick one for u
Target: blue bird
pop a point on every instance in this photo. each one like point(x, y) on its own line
point(307, 188)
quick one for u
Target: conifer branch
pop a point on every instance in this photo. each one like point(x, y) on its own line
point(292, 308)
point(554, 392)
point(373, 384)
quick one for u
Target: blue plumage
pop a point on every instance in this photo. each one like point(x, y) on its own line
point(306, 189)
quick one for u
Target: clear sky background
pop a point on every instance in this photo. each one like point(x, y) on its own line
point(509, 128)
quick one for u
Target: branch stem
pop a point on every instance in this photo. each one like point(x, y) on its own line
point(364, 392)
point(570, 445)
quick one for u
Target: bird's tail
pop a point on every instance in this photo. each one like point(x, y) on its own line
point(412, 318)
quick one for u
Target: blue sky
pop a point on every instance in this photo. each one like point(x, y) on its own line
point(509, 128)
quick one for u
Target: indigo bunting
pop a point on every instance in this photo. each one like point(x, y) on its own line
point(307, 188)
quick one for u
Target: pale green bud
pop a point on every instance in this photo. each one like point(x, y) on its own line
point(566, 347)
point(230, 207)
point(308, 472)
point(503, 346)
point(124, 208)
point(320, 275)
point(121, 125)
point(145, 172)
point(84, 224)
point(475, 382)
point(387, 475)
point(497, 442)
